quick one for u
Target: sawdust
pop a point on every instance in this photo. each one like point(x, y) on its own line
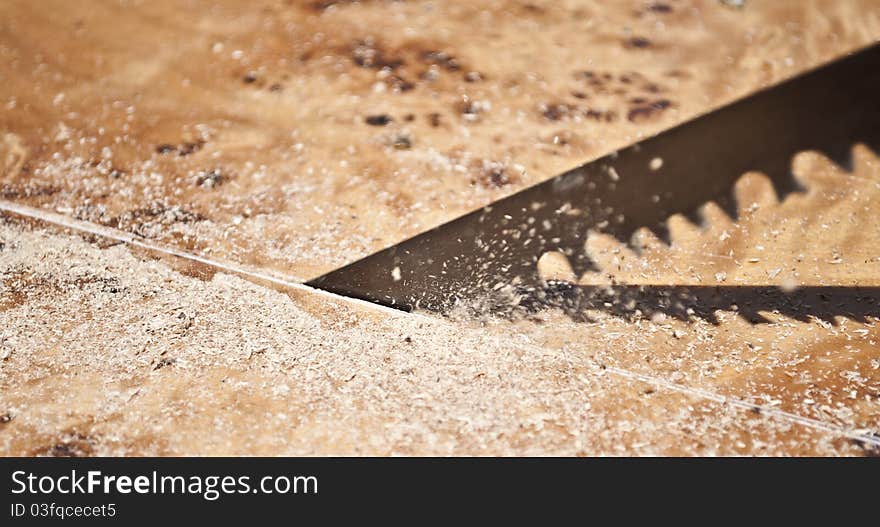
point(163, 363)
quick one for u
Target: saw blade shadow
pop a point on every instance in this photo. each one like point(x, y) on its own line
point(685, 302)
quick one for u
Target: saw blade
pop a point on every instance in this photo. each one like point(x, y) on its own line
point(497, 247)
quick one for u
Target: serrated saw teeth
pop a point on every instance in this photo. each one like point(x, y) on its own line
point(752, 191)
